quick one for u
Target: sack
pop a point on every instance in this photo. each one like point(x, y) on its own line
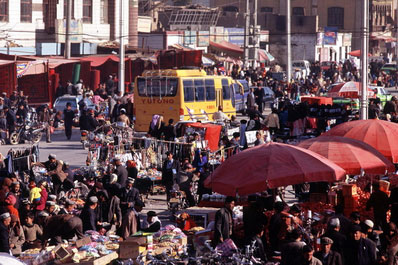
point(227, 247)
point(51, 129)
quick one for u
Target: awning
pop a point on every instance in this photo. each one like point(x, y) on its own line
point(226, 46)
point(264, 55)
point(180, 47)
point(100, 60)
point(206, 61)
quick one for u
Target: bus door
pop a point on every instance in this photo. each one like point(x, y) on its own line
point(219, 100)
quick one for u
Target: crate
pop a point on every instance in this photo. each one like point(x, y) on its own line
point(130, 249)
point(349, 190)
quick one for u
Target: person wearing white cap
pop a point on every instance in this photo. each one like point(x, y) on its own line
point(5, 220)
point(50, 208)
point(88, 214)
point(68, 208)
point(123, 117)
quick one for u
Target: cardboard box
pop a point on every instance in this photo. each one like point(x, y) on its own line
point(82, 242)
point(183, 241)
point(349, 190)
point(148, 237)
point(130, 249)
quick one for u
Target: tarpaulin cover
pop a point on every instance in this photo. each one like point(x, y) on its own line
point(226, 46)
point(269, 166)
point(382, 135)
point(317, 100)
point(350, 154)
point(212, 135)
point(8, 76)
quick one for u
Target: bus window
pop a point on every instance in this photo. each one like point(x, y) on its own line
point(189, 91)
point(226, 91)
point(199, 90)
point(156, 87)
point(210, 90)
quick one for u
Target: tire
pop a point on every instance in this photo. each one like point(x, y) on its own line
point(14, 138)
point(37, 137)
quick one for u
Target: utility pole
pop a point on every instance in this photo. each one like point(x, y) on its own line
point(67, 35)
point(121, 48)
point(255, 35)
point(364, 60)
point(289, 42)
point(247, 32)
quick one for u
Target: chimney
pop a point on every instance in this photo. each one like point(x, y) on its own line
point(133, 23)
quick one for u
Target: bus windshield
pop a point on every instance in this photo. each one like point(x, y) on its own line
point(157, 87)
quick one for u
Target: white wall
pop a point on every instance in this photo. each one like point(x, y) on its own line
point(20, 33)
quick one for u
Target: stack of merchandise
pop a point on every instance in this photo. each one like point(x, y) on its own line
point(170, 237)
point(350, 198)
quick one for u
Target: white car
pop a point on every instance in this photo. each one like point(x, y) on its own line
point(60, 103)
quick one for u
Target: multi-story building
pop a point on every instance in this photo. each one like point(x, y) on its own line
point(344, 15)
point(39, 25)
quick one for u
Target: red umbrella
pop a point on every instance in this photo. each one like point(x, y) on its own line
point(381, 135)
point(348, 90)
point(357, 53)
point(269, 166)
point(350, 154)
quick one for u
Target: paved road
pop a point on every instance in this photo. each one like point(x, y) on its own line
point(70, 151)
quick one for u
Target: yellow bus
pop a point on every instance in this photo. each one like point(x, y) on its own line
point(180, 95)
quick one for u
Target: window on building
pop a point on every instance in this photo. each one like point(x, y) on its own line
point(298, 11)
point(336, 17)
point(3, 10)
point(88, 11)
point(66, 8)
point(266, 9)
point(26, 11)
point(104, 12)
point(230, 9)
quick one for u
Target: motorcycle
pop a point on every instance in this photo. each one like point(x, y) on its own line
point(177, 199)
point(28, 131)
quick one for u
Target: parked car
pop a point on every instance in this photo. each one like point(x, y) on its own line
point(241, 90)
point(381, 93)
point(389, 67)
point(60, 103)
point(304, 67)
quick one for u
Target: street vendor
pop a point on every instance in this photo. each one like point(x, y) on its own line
point(59, 227)
point(121, 172)
point(153, 223)
point(89, 215)
point(185, 222)
point(128, 196)
point(54, 170)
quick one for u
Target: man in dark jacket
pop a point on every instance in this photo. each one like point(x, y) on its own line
point(291, 250)
point(121, 172)
point(92, 122)
point(339, 240)
point(5, 220)
point(59, 227)
point(69, 115)
point(54, 170)
point(170, 169)
point(259, 94)
point(326, 255)
point(11, 119)
point(129, 196)
point(380, 203)
point(223, 226)
point(360, 251)
point(88, 214)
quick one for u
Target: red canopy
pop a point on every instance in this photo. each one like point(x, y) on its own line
point(317, 100)
point(382, 135)
point(357, 53)
point(269, 166)
point(212, 135)
point(350, 154)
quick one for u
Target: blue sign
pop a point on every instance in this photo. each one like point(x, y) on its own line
point(235, 35)
point(330, 36)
